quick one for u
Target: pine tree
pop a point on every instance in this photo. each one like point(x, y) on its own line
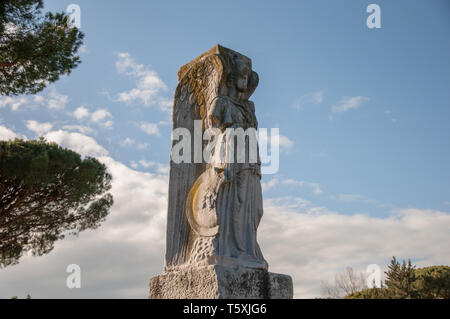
point(35, 49)
point(46, 192)
point(400, 280)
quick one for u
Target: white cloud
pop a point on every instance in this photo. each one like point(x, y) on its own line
point(7, 134)
point(270, 184)
point(313, 243)
point(284, 142)
point(134, 165)
point(146, 164)
point(150, 128)
point(14, 103)
point(82, 144)
point(166, 104)
point(142, 146)
point(101, 117)
point(348, 103)
point(309, 98)
point(83, 49)
point(80, 128)
point(55, 100)
point(39, 128)
point(129, 142)
point(162, 168)
point(158, 167)
point(52, 100)
point(315, 187)
point(149, 87)
point(81, 112)
point(126, 65)
point(308, 242)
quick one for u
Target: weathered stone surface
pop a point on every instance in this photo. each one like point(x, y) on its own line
point(215, 206)
point(218, 282)
point(280, 286)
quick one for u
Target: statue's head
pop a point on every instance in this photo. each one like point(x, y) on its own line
point(239, 70)
point(243, 72)
point(240, 74)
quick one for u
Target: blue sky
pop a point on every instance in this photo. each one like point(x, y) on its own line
point(298, 48)
point(364, 112)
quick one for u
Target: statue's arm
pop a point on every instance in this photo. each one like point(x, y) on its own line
point(251, 107)
point(219, 115)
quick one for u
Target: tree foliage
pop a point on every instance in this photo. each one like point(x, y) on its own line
point(404, 281)
point(46, 192)
point(433, 282)
point(369, 293)
point(400, 280)
point(35, 48)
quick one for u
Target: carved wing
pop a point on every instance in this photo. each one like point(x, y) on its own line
point(197, 87)
point(199, 83)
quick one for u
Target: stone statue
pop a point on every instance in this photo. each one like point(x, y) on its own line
point(215, 206)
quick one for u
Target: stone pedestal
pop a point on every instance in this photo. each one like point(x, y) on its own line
point(219, 282)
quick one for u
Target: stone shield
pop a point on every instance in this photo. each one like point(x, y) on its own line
point(201, 204)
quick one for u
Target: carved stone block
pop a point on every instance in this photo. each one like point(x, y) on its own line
point(219, 282)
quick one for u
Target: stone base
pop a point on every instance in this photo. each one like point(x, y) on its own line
point(219, 282)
